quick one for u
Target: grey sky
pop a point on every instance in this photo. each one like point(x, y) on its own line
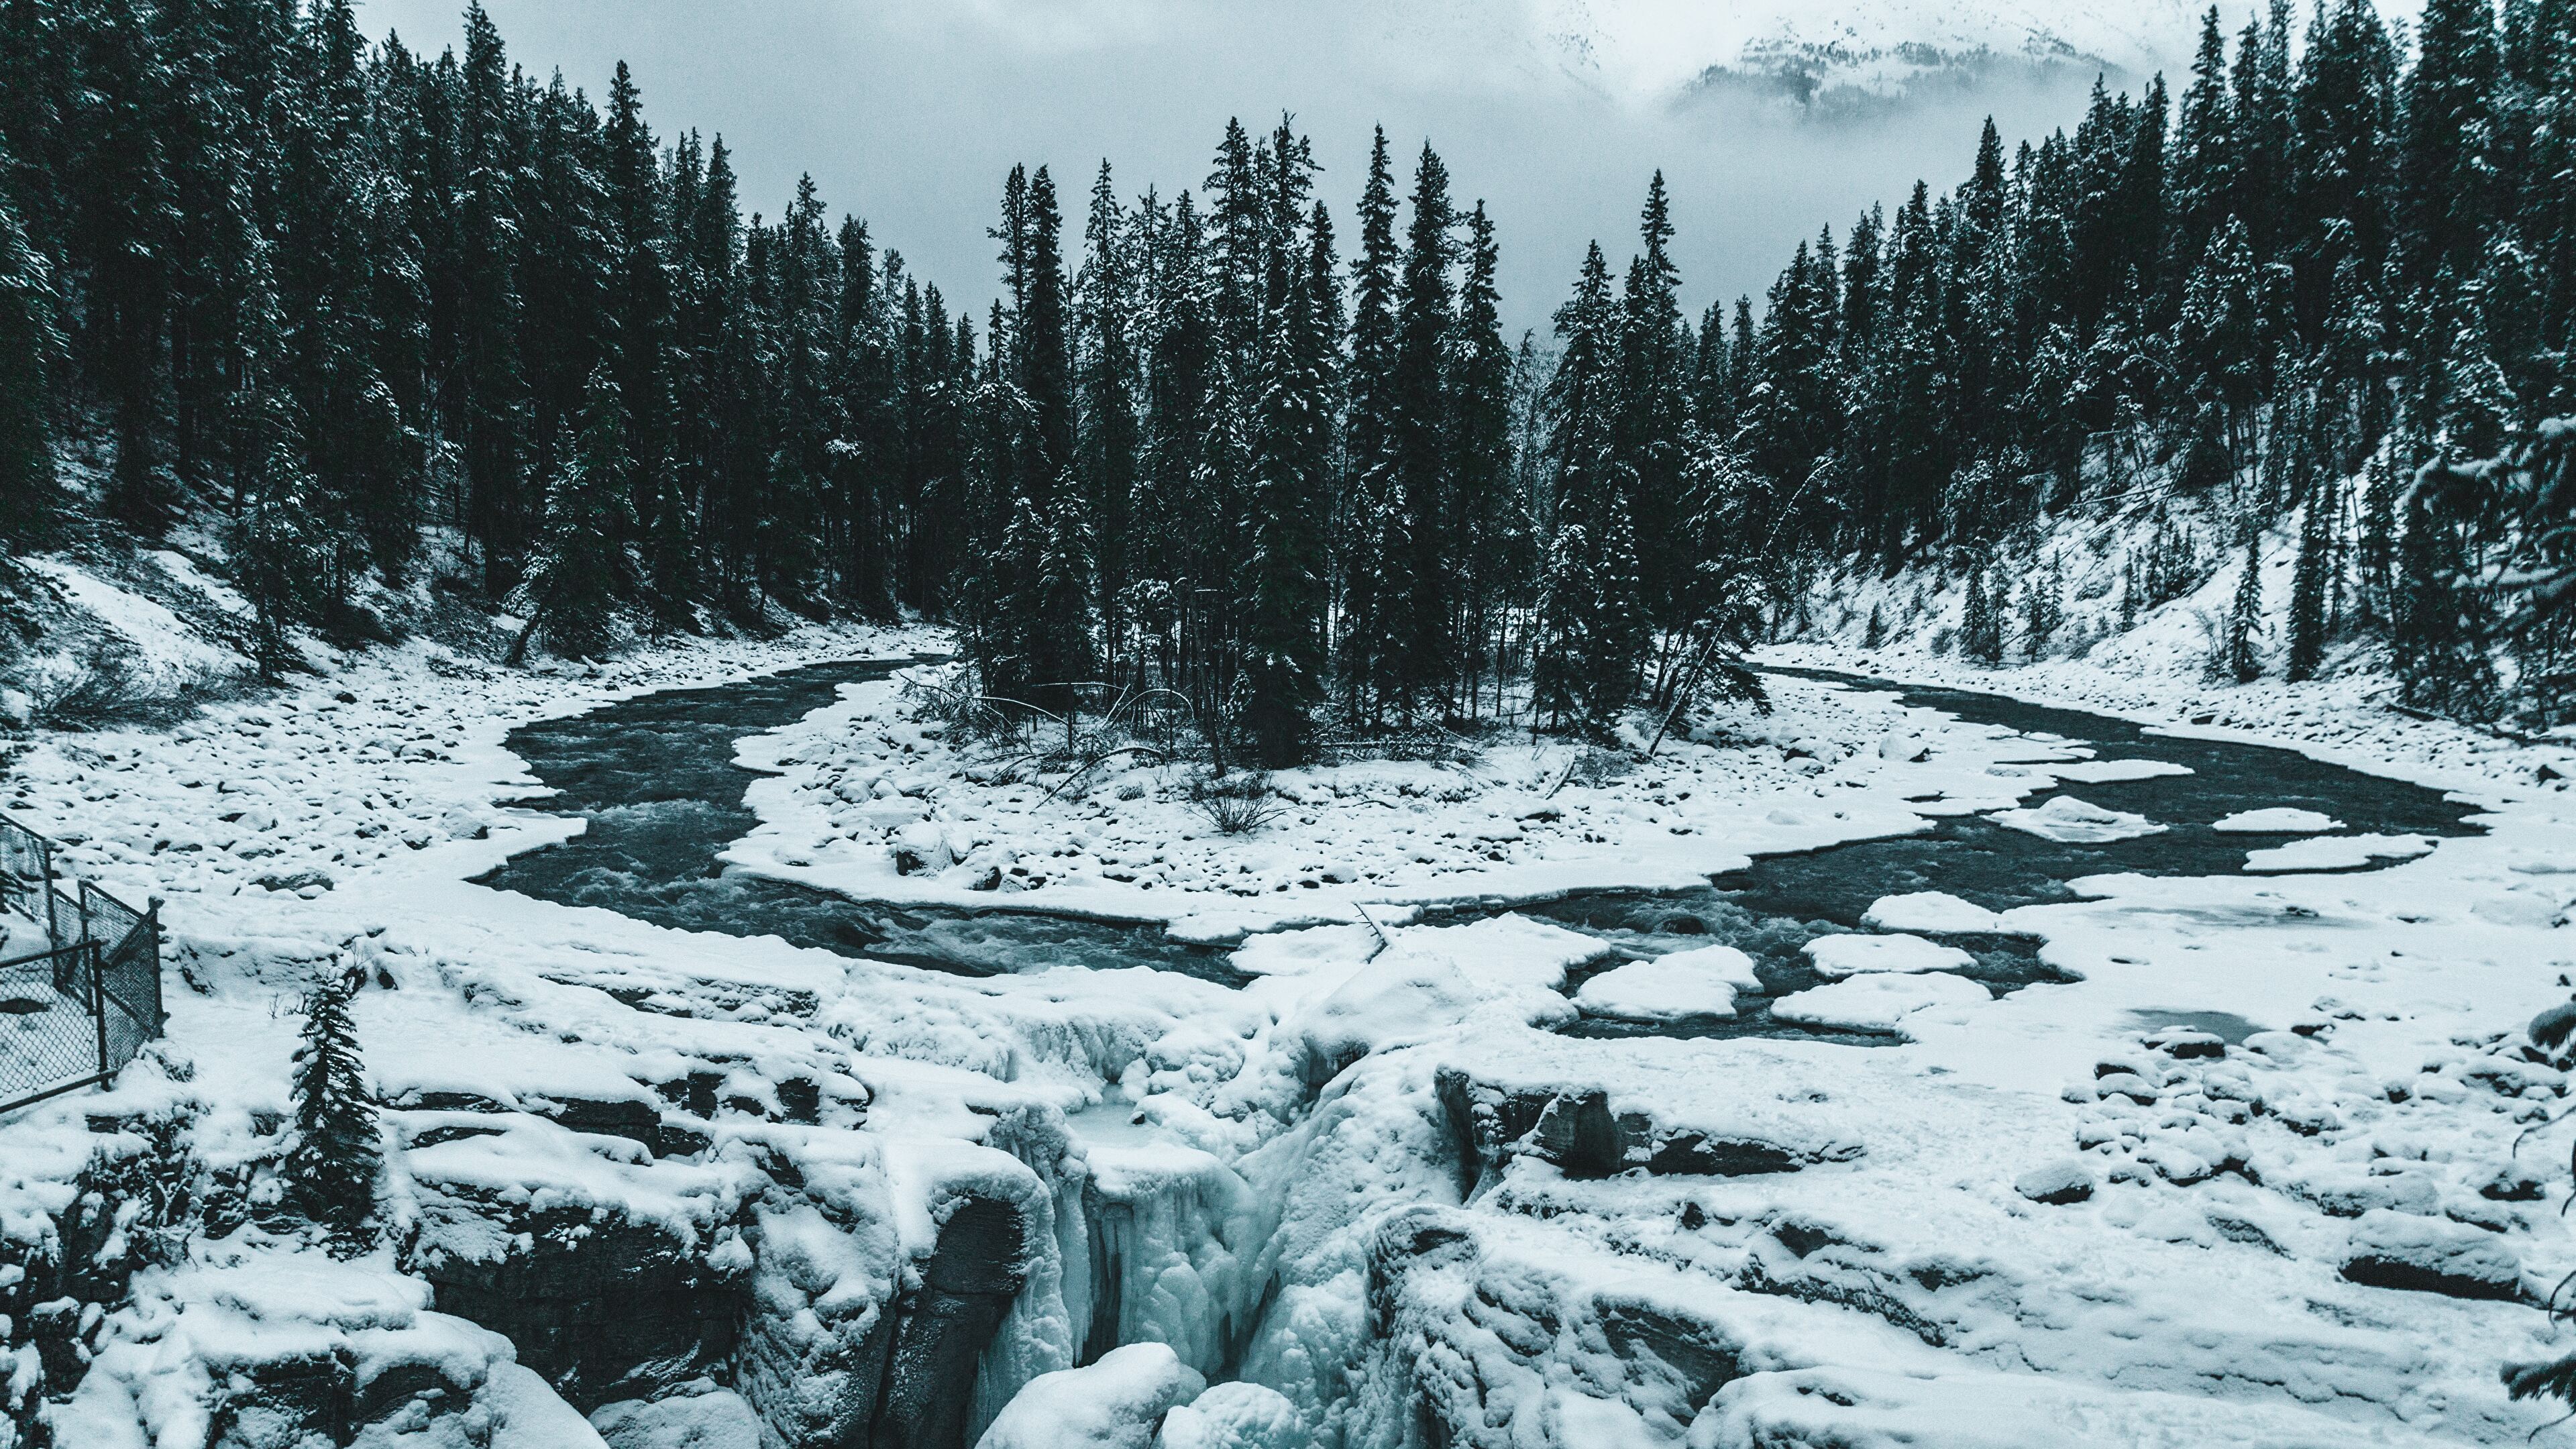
point(909, 112)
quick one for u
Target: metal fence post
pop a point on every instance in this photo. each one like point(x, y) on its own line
point(53, 910)
point(98, 1002)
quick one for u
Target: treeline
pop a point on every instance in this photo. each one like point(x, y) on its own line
point(2324, 263)
point(386, 314)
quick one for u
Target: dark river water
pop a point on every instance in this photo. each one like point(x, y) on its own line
point(655, 779)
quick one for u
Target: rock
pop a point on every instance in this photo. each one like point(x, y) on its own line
point(2430, 1255)
point(2057, 1184)
point(600, 1306)
point(966, 1287)
point(1576, 1130)
point(2187, 1045)
point(716, 1419)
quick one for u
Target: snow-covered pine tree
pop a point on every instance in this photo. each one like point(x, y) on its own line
point(1287, 594)
point(2043, 607)
point(2243, 646)
point(2310, 583)
point(1556, 694)
point(1980, 625)
point(277, 555)
point(1874, 634)
point(29, 493)
point(336, 1156)
point(579, 570)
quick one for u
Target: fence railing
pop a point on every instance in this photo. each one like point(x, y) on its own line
point(79, 1007)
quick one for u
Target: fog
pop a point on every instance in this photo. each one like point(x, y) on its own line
point(908, 113)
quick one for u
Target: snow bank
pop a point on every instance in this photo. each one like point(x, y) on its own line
point(2337, 852)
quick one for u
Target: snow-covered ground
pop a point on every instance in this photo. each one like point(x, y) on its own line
point(2249, 1175)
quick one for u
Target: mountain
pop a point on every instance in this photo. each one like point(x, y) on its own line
point(1858, 51)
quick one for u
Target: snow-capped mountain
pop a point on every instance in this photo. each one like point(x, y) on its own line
point(1814, 49)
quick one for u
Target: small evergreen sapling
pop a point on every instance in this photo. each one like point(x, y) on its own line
point(335, 1158)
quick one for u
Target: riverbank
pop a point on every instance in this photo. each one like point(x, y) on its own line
point(1379, 1181)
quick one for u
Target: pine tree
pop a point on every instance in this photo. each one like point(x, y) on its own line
point(2310, 585)
point(1490, 529)
point(336, 1157)
point(277, 552)
point(1288, 595)
point(1981, 624)
point(2243, 646)
point(29, 493)
point(580, 570)
point(1419, 565)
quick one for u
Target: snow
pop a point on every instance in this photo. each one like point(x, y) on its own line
point(1851, 955)
point(1875, 1241)
point(2076, 822)
point(861, 785)
point(1116, 1403)
point(2276, 820)
point(1676, 987)
point(2106, 772)
point(2337, 852)
point(1936, 911)
point(1881, 1001)
point(1235, 1416)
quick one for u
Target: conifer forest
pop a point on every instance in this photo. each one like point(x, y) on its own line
point(400, 315)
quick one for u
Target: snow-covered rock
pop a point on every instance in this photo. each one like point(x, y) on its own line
point(1838, 956)
point(2076, 822)
point(1879, 1001)
point(1119, 1402)
point(1678, 987)
point(1935, 911)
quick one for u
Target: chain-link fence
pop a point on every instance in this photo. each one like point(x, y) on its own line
point(80, 976)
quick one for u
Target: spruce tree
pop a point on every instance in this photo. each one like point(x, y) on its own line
point(29, 493)
point(1981, 622)
point(579, 570)
point(2243, 649)
point(1419, 562)
point(2310, 584)
point(336, 1156)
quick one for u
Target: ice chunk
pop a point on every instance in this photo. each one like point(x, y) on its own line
point(1851, 955)
point(1116, 1403)
point(1878, 1001)
point(2076, 822)
point(1685, 984)
point(1930, 911)
point(2278, 820)
point(2104, 772)
point(2337, 852)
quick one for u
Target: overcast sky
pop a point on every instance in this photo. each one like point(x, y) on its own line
point(909, 112)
